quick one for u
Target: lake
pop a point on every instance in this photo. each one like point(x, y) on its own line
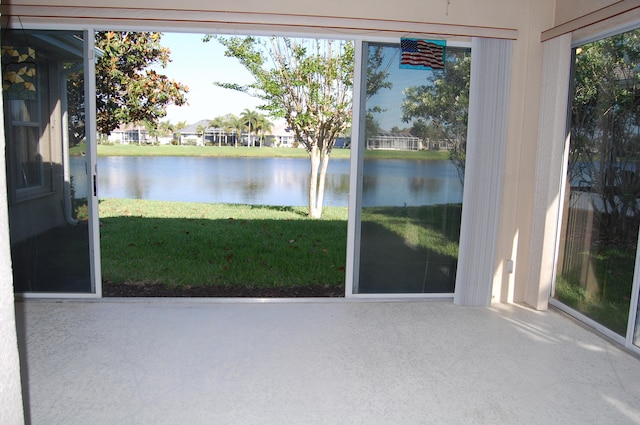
point(268, 181)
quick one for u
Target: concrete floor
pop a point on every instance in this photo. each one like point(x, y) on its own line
point(330, 362)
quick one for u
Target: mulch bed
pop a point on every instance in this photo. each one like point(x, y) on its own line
point(110, 289)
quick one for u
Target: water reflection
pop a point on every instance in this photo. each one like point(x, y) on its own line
point(418, 185)
point(269, 181)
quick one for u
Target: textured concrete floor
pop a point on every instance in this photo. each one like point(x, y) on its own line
point(336, 362)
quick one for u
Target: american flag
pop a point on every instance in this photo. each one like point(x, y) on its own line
point(422, 54)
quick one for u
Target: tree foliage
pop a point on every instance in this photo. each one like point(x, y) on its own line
point(443, 105)
point(377, 79)
point(308, 82)
point(250, 120)
point(218, 123)
point(604, 151)
point(128, 86)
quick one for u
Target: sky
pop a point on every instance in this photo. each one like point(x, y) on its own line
point(390, 100)
point(199, 65)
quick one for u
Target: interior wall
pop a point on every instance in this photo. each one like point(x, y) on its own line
point(512, 257)
point(498, 13)
point(567, 10)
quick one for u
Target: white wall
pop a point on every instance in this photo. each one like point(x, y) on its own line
point(10, 389)
point(495, 13)
point(567, 10)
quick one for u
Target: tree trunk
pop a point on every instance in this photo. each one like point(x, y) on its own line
point(324, 163)
point(313, 183)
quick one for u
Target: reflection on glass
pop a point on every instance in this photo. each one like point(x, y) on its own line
point(47, 220)
point(601, 217)
point(636, 333)
point(412, 191)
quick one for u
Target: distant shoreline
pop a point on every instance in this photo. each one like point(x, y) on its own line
point(249, 152)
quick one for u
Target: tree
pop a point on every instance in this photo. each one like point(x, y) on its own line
point(306, 82)
point(153, 131)
point(176, 130)
point(371, 125)
point(166, 128)
point(443, 105)
point(218, 123)
point(128, 88)
point(377, 74)
point(262, 127)
point(75, 106)
point(236, 124)
point(250, 121)
point(201, 131)
point(228, 126)
point(605, 145)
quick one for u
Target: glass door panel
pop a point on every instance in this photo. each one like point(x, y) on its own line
point(412, 189)
point(43, 85)
point(636, 333)
point(601, 214)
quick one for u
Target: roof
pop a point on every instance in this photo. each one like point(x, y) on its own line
point(193, 128)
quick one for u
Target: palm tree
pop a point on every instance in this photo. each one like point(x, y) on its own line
point(250, 120)
point(152, 130)
point(200, 131)
point(218, 124)
point(228, 126)
point(237, 124)
point(176, 128)
point(263, 126)
point(166, 128)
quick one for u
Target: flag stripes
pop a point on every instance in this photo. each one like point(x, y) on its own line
point(422, 54)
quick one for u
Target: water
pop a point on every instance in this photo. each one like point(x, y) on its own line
point(268, 181)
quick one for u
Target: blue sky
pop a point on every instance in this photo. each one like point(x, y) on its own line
point(199, 64)
point(391, 99)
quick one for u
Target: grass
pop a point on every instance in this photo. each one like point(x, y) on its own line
point(610, 284)
point(192, 244)
point(198, 244)
point(203, 151)
point(243, 151)
point(436, 227)
point(410, 155)
point(614, 315)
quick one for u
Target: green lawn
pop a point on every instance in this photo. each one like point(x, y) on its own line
point(245, 246)
point(200, 244)
point(610, 285)
point(243, 151)
point(435, 227)
point(192, 244)
point(202, 151)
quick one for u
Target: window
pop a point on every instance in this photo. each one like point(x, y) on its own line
point(25, 88)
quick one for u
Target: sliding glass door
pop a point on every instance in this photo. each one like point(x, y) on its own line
point(413, 167)
point(601, 215)
point(48, 169)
